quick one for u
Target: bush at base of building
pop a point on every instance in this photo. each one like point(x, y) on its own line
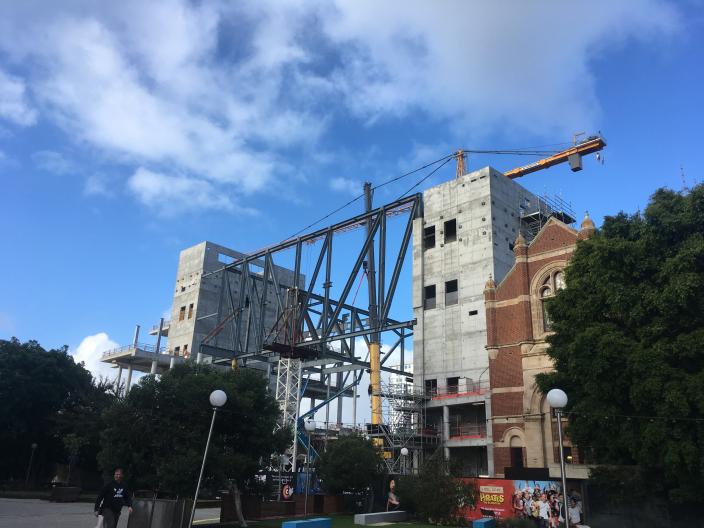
point(436, 495)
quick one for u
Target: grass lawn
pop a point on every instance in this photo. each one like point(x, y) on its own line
point(338, 521)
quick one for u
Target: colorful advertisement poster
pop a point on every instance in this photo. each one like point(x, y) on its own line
point(496, 495)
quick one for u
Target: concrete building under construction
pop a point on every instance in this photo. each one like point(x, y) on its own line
point(234, 309)
point(465, 236)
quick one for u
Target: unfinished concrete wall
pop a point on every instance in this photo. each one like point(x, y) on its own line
point(199, 302)
point(450, 338)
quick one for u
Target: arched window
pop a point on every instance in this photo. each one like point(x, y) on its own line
point(553, 282)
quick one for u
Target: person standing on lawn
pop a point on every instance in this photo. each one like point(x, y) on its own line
point(111, 499)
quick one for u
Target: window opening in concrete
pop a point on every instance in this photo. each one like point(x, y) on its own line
point(429, 297)
point(429, 237)
point(190, 311)
point(517, 457)
point(510, 246)
point(225, 259)
point(453, 385)
point(473, 312)
point(182, 313)
point(177, 350)
point(431, 387)
point(185, 349)
point(450, 230)
point(451, 292)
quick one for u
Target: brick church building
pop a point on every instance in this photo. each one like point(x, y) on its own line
point(524, 432)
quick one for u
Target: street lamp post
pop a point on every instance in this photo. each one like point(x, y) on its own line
point(557, 399)
point(310, 427)
point(218, 398)
point(404, 460)
point(29, 466)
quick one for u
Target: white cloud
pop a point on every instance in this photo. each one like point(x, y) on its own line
point(173, 195)
point(91, 350)
point(517, 64)
point(97, 185)
point(346, 185)
point(53, 162)
point(221, 92)
point(14, 106)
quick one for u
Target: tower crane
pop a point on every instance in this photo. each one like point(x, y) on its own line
point(573, 155)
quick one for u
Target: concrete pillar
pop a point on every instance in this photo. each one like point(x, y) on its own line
point(339, 400)
point(158, 346)
point(129, 379)
point(199, 358)
point(489, 438)
point(172, 362)
point(119, 376)
point(136, 336)
point(446, 429)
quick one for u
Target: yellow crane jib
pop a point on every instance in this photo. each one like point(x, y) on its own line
point(573, 155)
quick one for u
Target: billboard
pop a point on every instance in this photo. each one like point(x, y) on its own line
point(495, 497)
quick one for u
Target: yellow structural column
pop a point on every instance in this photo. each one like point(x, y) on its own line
point(375, 375)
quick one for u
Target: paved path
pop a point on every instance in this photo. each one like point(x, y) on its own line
point(34, 513)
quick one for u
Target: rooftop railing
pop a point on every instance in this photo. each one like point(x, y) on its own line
point(142, 346)
point(154, 329)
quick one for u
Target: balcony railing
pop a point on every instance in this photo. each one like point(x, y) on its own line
point(474, 388)
point(155, 329)
point(142, 346)
point(467, 431)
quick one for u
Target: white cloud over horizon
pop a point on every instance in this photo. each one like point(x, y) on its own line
point(346, 185)
point(14, 105)
point(89, 352)
point(209, 98)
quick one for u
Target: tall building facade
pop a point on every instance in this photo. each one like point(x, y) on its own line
point(524, 431)
point(466, 234)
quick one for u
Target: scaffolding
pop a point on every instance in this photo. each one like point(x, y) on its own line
point(535, 215)
point(403, 436)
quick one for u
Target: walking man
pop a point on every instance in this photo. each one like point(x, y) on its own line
point(111, 499)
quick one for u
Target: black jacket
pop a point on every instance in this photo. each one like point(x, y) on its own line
point(113, 496)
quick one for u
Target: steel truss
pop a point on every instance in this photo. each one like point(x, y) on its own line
point(319, 319)
point(269, 316)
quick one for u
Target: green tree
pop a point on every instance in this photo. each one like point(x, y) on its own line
point(628, 342)
point(45, 397)
point(437, 494)
point(351, 463)
point(158, 432)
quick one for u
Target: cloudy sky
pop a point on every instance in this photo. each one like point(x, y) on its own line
point(131, 130)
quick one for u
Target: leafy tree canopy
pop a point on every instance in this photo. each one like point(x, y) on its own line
point(158, 432)
point(628, 345)
point(47, 397)
point(437, 494)
point(351, 463)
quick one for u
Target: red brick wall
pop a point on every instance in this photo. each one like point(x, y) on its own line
point(507, 369)
point(507, 404)
point(513, 324)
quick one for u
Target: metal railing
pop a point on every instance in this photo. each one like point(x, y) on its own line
point(467, 430)
point(155, 328)
point(470, 388)
point(151, 349)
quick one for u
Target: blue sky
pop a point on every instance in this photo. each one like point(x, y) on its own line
point(131, 131)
